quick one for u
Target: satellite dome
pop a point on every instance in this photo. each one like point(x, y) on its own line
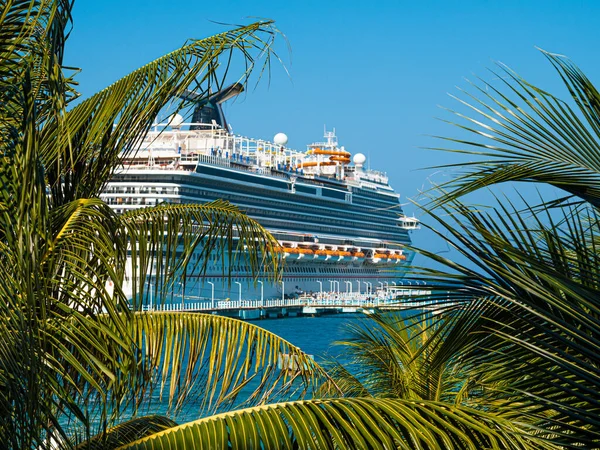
point(175, 120)
point(359, 159)
point(280, 139)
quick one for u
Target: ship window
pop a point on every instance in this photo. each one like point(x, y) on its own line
point(306, 189)
point(333, 194)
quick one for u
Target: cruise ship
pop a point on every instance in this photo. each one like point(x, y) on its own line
point(340, 225)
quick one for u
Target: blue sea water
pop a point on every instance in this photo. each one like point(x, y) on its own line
point(314, 335)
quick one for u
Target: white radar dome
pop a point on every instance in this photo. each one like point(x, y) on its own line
point(359, 159)
point(280, 139)
point(175, 120)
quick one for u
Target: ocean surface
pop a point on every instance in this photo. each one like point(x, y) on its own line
point(314, 335)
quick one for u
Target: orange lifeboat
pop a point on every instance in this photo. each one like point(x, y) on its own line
point(358, 254)
point(380, 255)
point(321, 252)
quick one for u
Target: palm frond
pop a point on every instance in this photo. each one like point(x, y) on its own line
point(526, 134)
point(348, 423)
point(163, 238)
point(391, 355)
point(529, 324)
point(31, 51)
point(81, 149)
point(127, 432)
point(207, 361)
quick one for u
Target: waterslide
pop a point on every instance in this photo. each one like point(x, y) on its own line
point(315, 163)
point(337, 156)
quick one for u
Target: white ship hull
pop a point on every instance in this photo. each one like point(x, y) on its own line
point(300, 277)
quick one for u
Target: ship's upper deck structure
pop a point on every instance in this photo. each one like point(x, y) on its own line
point(322, 195)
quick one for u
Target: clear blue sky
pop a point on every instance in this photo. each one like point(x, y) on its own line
point(374, 70)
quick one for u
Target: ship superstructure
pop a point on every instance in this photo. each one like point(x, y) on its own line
point(340, 225)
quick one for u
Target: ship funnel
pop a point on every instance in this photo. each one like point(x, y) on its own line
point(208, 105)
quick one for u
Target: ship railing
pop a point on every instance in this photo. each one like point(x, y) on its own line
point(147, 166)
point(323, 299)
point(237, 143)
point(210, 159)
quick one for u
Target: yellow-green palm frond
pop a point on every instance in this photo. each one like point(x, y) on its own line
point(204, 362)
point(217, 359)
point(528, 320)
point(31, 51)
point(393, 355)
point(348, 423)
point(127, 432)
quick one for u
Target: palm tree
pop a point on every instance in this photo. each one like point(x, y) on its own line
point(73, 357)
point(531, 329)
point(387, 357)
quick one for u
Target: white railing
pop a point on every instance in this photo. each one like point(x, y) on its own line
point(325, 299)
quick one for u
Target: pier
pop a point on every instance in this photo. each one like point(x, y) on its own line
point(315, 305)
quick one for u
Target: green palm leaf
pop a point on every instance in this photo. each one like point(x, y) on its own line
point(207, 361)
point(127, 432)
point(527, 134)
point(530, 332)
point(390, 355)
point(347, 423)
point(81, 148)
point(166, 236)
